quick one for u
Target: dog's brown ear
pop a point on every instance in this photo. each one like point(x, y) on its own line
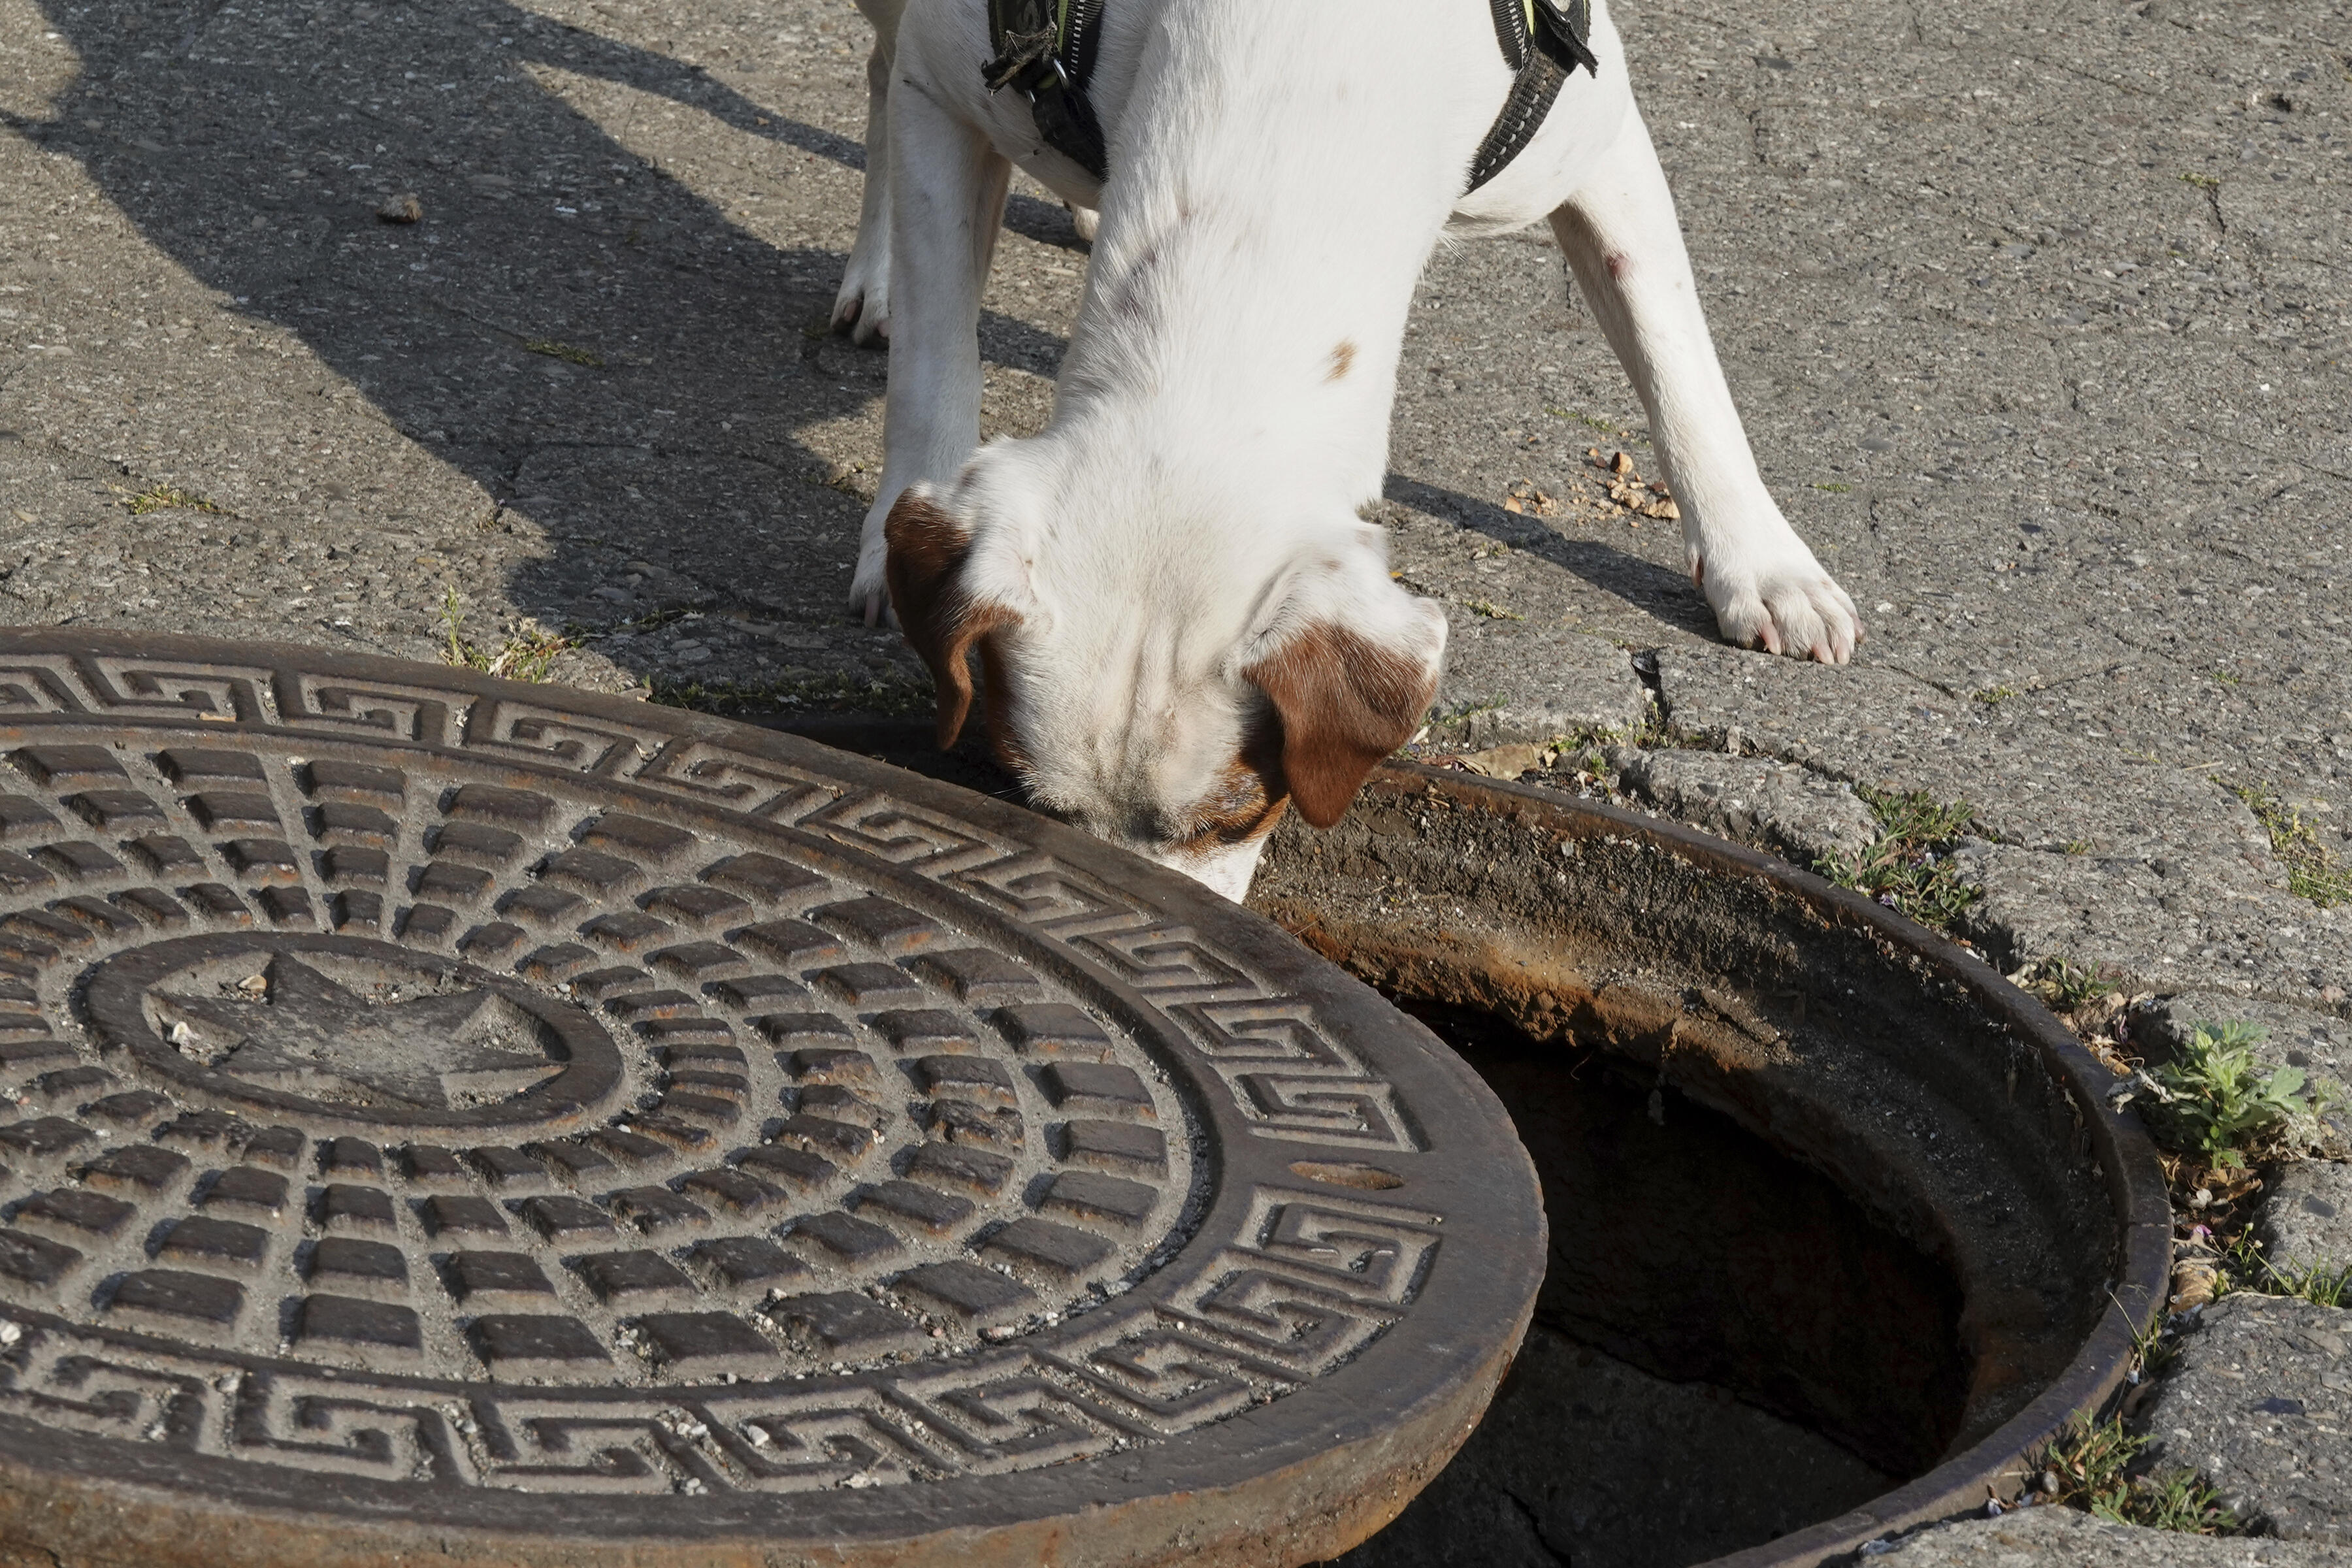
point(942, 620)
point(1345, 702)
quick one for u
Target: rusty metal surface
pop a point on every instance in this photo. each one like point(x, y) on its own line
point(460, 1117)
point(1932, 1090)
point(1518, 916)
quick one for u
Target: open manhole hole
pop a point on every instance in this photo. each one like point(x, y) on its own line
point(465, 1120)
point(1843, 1229)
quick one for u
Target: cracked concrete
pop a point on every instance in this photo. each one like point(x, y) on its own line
point(2256, 1403)
point(2038, 315)
point(2062, 1538)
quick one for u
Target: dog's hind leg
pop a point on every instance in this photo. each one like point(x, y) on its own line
point(862, 308)
point(947, 204)
point(1622, 241)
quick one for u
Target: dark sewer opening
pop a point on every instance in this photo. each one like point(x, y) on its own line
point(1726, 1347)
point(1733, 1350)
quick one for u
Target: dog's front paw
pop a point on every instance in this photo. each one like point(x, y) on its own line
point(862, 309)
point(869, 588)
point(1779, 599)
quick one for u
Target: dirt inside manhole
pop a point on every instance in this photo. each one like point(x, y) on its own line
point(1727, 1348)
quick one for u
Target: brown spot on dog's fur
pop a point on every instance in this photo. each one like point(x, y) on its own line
point(1343, 359)
point(942, 620)
point(1345, 702)
point(1620, 264)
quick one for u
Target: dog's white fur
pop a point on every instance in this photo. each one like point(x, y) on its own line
point(1281, 170)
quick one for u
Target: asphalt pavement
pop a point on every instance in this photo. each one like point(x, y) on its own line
point(2038, 314)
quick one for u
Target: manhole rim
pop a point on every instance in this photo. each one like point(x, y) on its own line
point(1996, 1466)
point(1330, 1433)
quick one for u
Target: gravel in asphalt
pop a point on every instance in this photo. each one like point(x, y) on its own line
point(2258, 1403)
point(2062, 1538)
point(2038, 316)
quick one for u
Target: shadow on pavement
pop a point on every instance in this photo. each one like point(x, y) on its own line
point(1666, 595)
point(600, 347)
point(608, 352)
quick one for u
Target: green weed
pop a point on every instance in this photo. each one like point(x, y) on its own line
point(553, 348)
point(1491, 611)
point(1584, 419)
point(2244, 1269)
point(1994, 696)
point(1463, 712)
point(1908, 865)
point(2090, 1466)
point(2209, 1101)
point(2062, 987)
point(2313, 871)
point(2152, 1347)
point(169, 498)
point(525, 656)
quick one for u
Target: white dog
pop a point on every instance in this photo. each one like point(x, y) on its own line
point(1182, 617)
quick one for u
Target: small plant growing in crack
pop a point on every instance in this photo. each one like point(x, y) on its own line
point(2090, 1468)
point(1908, 867)
point(171, 497)
point(2064, 986)
point(554, 348)
point(2210, 1101)
point(525, 656)
point(2242, 1269)
point(2313, 871)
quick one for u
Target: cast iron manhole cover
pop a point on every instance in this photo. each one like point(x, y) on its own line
point(531, 1124)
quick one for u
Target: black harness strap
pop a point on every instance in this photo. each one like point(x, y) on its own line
point(1544, 55)
point(1045, 51)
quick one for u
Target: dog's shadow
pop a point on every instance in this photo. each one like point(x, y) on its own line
point(623, 360)
point(630, 364)
point(1667, 596)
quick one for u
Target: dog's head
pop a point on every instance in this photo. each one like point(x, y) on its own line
point(1170, 689)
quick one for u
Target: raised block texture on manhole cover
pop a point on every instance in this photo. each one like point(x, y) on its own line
point(473, 1116)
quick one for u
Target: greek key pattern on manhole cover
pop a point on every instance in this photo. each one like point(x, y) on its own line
point(431, 1083)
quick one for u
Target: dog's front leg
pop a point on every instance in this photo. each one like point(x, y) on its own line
point(1625, 246)
point(862, 308)
point(947, 202)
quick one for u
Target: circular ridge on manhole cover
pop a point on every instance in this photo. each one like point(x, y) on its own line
point(459, 1112)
